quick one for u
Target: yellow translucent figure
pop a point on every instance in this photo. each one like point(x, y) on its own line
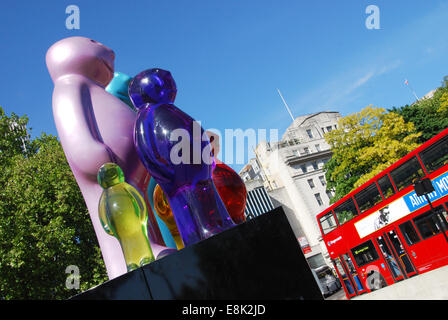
point(123, 215)
point(163, 210)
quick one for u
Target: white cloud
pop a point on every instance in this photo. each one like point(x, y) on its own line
point(342, 89)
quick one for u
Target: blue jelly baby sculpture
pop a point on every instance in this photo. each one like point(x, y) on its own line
point(123, 214)
point(176, 151)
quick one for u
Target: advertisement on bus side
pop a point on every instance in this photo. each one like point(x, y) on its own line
point(401, 207)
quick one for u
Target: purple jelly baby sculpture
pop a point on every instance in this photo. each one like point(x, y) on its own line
point(94, 128)
point(177, 152)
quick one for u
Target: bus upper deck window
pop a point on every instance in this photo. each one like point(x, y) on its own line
point(328, 222)
point(346, 211)
point(386, 186)
point(406, 174)
point(435, 156)
point(368, 197)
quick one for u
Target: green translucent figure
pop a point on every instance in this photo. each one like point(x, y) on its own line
point(123, 215)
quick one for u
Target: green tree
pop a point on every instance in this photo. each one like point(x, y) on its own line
point(366, 143)
point(44, 223)
point(443, 108)
point(429, 115)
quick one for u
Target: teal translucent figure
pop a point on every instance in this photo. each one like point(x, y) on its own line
point(118, 86)
point(123, 214)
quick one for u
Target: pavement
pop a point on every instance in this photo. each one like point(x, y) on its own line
point(432, 285)
point(338, 295)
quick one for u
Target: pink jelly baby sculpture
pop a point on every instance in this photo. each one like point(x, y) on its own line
point(94, 128)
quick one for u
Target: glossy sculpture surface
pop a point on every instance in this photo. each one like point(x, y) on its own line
point(122, 212)
point(118, 86)
point(94, 128)
point(166, 233)
point(232, 191)
point(229, 184)
point(157, 233)
point(177, 153)
point(152, 86)
point(163, 210)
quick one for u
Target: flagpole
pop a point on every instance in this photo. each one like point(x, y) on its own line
point(406, 82)
point(286, 105)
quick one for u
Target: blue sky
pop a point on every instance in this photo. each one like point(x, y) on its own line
point(228, 57)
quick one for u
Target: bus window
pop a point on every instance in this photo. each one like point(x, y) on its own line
point(407, 173)
point(352, 270)
point(445, 214)
point(436, 155)
point(344, 276)
point(401, 252)
point(410, 235)
point(367, 198)
point(328, 223)
point(386, 186)
point(428, 223)
point(364, 253)
point(388, 256)
point(346, 211)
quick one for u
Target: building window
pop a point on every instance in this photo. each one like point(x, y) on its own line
point(310, 134)
point(318, 147)
point(322, 180)
point(311, 183)
point(306, 150)
point(329, 128)
point(256, 168)
point(303, 167)
point(329, 194)
point(318, 199)
point(315, 167)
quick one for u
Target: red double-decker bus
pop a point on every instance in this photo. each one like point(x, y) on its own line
point(382, 232)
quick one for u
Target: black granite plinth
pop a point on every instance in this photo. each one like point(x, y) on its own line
point(259, 259)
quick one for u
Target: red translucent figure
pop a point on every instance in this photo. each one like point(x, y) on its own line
point(232, 191)
point(229, 184)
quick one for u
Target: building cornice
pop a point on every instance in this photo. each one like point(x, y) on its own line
point(296, 159)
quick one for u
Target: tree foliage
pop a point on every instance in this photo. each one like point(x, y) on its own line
point(44, 223)
point(429, 115)
point(366, 143)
